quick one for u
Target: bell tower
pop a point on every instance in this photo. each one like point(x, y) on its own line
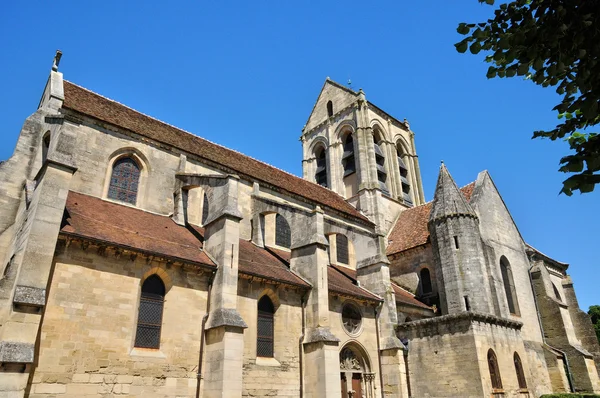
point(361, 152)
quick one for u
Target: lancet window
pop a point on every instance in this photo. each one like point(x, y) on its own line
point(124, 180)
point(150, 313)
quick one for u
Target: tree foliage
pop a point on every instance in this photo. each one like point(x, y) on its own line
point(594, 313)
point(552, 43)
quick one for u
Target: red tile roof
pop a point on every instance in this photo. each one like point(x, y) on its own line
point(411, 228)
point(259, 262)
point(93, 218)
point(342, 282)
point(89, 103)
point(404, 297)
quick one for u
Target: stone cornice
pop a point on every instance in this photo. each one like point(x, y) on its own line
point(461, 316)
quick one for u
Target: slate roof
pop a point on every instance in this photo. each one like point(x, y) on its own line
point(89, 103)
point(411, 230)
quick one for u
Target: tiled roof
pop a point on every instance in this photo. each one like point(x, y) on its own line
point(342, 282)
point(411, 227)
point(257, 261)
point(404, 297)
point(89, 103)
point(99, 220)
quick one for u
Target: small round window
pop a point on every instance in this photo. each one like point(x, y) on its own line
point(351, 318)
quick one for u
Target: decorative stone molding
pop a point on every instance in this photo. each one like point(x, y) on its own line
point(31, 296)
point(455, 319)
point(225, 317)
point(13, 352)
point(320, 334)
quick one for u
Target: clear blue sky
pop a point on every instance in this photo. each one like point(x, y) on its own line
point(246, 75)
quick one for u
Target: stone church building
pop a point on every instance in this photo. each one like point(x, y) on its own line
point(141, 260)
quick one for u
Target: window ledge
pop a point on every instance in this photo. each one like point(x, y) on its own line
point(265, 361)
point(147, 353)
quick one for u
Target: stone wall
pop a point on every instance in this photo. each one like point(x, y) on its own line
point(88, 331)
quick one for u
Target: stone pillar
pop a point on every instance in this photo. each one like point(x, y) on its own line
point(34, 259)
point(225, 326)
point(321, 356)
point(376, 278)
point(418, 195)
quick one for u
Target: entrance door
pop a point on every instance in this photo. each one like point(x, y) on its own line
point(356, 385)
point(344, 386)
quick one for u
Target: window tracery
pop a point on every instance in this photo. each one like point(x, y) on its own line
point(124, 181)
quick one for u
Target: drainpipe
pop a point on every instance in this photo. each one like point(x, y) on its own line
point(300, 340)
point(204, 319)
point(377, 312)
point(406, 369)
point(537, 311)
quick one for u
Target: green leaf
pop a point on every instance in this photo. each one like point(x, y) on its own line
point(462, 46)
point(475, 48)
point(463, 29)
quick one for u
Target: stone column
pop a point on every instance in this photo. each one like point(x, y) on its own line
point(321, 356)
point(225, 326)
point(375, 277)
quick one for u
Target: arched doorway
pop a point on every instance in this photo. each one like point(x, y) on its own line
point(355, 373)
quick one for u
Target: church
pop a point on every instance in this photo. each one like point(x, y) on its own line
point(140, 260)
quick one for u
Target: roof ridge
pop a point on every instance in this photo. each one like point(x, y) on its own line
point(202, 138)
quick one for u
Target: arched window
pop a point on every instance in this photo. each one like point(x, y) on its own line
point(283, 234)
point(321, 173)
point(348, 157)
point(124, 180)
point(150, 313)
point(45, 147)
point(519, 370)
point(402, 158)
point(494, 370)
point(265, 329)
point(425, 281)
point(205, 207)
point(509, 286)
point(329, 109)
point(380, 164)
point(556, 293)
point(341, 244)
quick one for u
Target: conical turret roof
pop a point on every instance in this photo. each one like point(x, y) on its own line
point(448, 200)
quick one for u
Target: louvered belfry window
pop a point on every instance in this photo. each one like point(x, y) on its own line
point(341, 243)
point(150, 313)
point(265, 328)
point(283, 234)
point(124, 181)
point(494, 370)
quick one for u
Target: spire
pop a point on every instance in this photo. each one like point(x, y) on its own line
point(448, 200)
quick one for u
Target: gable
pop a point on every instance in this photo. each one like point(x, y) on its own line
point(340, 96)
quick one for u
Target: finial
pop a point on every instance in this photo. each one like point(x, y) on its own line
point(327, 78)
point(442, 162)
point(56, 60)
point(349, 83)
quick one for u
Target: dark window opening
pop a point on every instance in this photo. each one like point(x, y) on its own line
point(467, 305)
point(425, 281)
point(341, 243)
point(283, 234)
point(494, 370)
point(456, 241)
point(348, 157)
point(321, 173)
point(205, 208)
point(124, 181)
point(265, 328)
point(519, 370)
point(329, 109)
point(556, 293)
point(351, 318)
point(45, 147)
point(509, 286)
point(150, 313)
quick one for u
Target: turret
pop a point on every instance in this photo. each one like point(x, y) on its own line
point(457, 246)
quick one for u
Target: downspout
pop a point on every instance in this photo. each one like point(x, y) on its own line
point(377, 313)
point(204, 319)
point(537, 311)
point(300, 340)
point(406, 369)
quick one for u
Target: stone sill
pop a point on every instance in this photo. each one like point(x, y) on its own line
point(265, 361)
point(147, 353)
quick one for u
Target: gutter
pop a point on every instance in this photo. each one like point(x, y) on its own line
point(564, 354)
